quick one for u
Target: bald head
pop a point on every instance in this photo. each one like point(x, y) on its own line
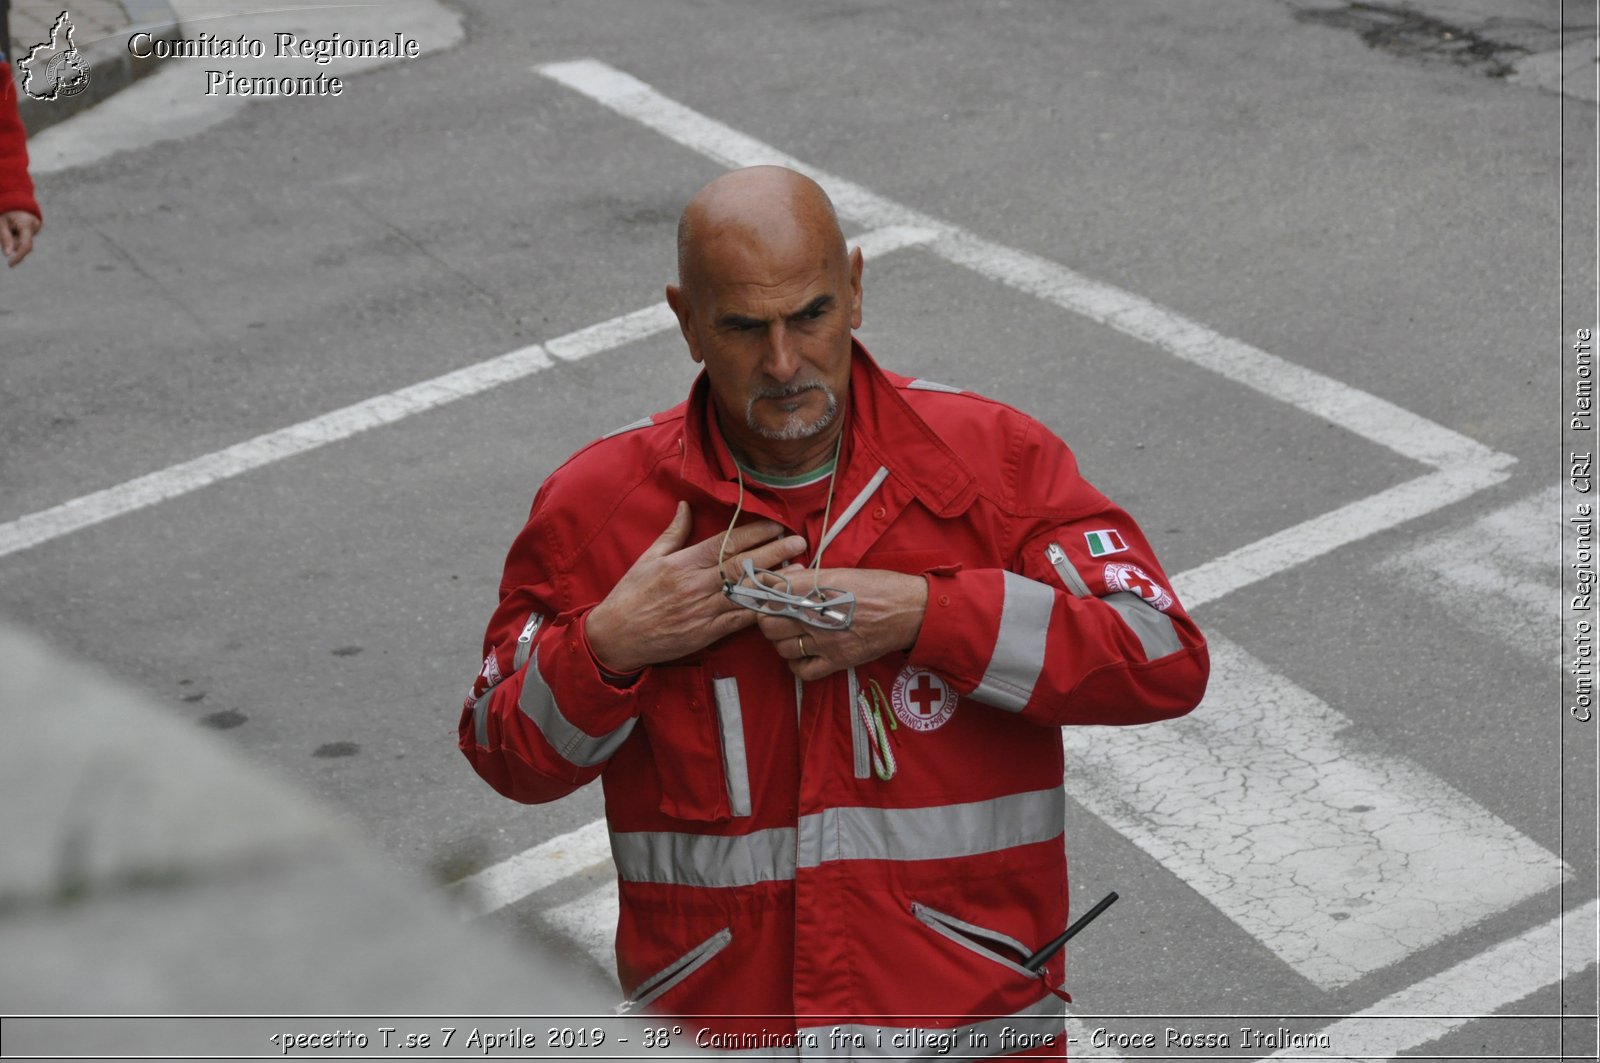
point(769, 210)
point(766, 299)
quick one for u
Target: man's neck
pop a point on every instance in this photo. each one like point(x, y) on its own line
point(786, 457)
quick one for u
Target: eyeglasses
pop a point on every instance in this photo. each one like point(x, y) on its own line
point(770, 594)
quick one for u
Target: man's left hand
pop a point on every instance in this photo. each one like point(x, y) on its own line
point(889, 608)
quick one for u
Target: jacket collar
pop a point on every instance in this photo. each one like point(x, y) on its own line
point(885, 431)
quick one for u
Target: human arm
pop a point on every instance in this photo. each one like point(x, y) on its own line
point(550, 706)
point(1081, 627)
point(20, 218)
point(1046, 636)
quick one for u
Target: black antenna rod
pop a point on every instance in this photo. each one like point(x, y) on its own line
point(1037, 960)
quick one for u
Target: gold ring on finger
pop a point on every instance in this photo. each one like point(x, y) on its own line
point(802, 641)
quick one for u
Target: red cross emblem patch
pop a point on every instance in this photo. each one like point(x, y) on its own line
point(1133, 579)
point(921, 700)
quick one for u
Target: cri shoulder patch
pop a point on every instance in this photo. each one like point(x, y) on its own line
point(491, 670)
point(922, 700)
point(1121, 576)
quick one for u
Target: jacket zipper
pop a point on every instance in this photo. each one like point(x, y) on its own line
point(525, 640)
point(1069, 575)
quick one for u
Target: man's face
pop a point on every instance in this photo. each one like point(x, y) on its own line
point(772, 327)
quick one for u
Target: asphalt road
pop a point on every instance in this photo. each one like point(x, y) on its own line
point(1388, 218)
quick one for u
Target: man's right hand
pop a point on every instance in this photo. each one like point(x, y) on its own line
point(670, 603)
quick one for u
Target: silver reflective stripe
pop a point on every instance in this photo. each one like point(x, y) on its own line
point(525, 641)
point(977, 1041)
point(963, 933)
point(704, 859)
point(932, 385)
point(1154, 628)
point(676, 971)
point(940, 832)
point(1018, 656)
point(480, 718)
point(735, 764)
point(577, 746)
point(853, 508)
point(643, 422)
point(858, 729)
point(1063, 566)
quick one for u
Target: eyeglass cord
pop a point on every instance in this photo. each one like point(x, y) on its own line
point(827, 510)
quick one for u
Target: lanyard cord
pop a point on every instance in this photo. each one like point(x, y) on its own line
point(827, 509)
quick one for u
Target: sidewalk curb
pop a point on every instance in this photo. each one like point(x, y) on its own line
point(111, 67)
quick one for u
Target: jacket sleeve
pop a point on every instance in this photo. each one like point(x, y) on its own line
point(16, 188)
point(541, 720)
point(1082, 627)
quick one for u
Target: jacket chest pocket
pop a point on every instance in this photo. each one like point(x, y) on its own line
point(696, 731)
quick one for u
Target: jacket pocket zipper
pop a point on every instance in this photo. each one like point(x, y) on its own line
point(675, 972)
point(972, 937)
point(525, 641)
point(1063, 566)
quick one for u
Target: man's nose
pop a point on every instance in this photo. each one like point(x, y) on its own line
point(783, 353)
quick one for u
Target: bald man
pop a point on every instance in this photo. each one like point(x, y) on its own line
point(814, 628)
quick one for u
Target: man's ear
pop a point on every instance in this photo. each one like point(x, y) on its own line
point(855, 288)
point(680, 307)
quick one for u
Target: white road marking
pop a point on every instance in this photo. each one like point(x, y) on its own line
point(590, 922)
point(1477, 987)
point(1501, 574)
point(1337, 855)
point(1357, 411)
point(532, 870)
point(1311, 539)
point(184, 477)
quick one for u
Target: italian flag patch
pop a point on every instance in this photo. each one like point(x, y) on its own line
point(1103, 542)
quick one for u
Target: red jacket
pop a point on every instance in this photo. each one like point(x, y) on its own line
point(765, 869)
point(16, 189)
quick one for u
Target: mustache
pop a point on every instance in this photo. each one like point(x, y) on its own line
point(787, 391)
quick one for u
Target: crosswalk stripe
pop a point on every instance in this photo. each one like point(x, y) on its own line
point(1501, 574)
point(532, 870)
point(1339, 856)
point(1475, 988)
point(590, 922)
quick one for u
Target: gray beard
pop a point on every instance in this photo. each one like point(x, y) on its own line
point(794, 427)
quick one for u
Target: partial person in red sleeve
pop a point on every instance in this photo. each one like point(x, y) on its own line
point(20, 218)
point(814, 629)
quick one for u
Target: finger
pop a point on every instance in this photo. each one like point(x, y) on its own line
point(725, 624)
point(740, 539)
point(764, 556)
point(771, 555)
point(811, 669)
point(778, 628)
point(673, 536)
point(7, 242)
point(24, 245)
